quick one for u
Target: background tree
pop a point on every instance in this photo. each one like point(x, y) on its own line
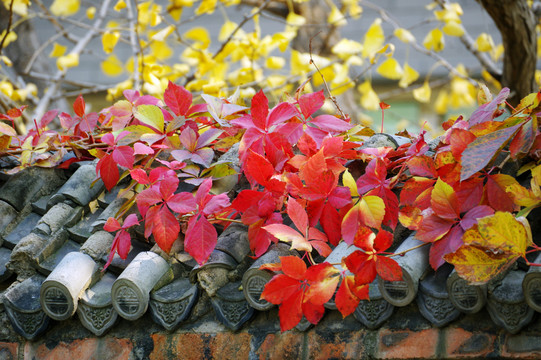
point(143, 45)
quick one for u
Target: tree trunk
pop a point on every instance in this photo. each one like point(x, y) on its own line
point(516, 22)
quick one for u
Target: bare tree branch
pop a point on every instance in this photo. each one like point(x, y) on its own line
point(79, 47)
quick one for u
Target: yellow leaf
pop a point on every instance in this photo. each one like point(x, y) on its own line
point(58, 50)
point(345, 48)
point(295, 19)
point(65, 7)
point(390, 69)
point(373, 39)
point(453, 28)
point(109, 40)
point(476, 265)
point(91, 12)
point(160, 50)
point(409, 76)
point(500, 232)
point(20, 7)
point(275, 62)
point(163, 33)
point(441, 103)
point(369, 98)
point(112, 66)
point(336, 18)
point(150, 115)
point(434, 40)
point(67, 61)
point(200, 35)
point(120, 4)
point(6, 60)
point(227, 29)
point(422, 94)
point(6, 88)
point(12, 36)
point(372, 210)
point(349, 181)
point(484, 42)
point(299, 63)
point(404, 35)
point(206, 7)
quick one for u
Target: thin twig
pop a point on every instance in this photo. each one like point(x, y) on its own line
point(135, 41)
point(415, 45)
point(8, 29)
point(240, 25)
point(333, 99)
point(410, 249)
point(79, 47)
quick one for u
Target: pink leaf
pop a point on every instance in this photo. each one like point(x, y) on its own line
point(201, 238)
point(312, 102)
point(123, 155)
point(182, 203)
point(177, 98)
point(140, 176)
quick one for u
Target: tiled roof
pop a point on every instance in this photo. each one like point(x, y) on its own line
point(53, 248)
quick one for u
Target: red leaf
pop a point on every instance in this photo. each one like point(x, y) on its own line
point(290, 312)
point(149, 197)
point(323, 279)
point(201, 238)
point(281, 113)
point(123, 155)
point(496, 195)
point(79, 106)
point(346, 301)
point(298, 215)
point(124, 244)
point(140, 176)
point(111, 225)
point(311, 102)
point(182, 203)
point(260, 110)
point(486, 111)
point(259, 168)
point(383, 241)
point(331, 124)
point(384, 106)
point(433, 227)
point(293, 267)
point(280, 288)
point(446, 245)
point(331, 222)
point(313, 312)
point(482, 150)
point(444, 201)
point(388, 269)
point(108, 171)
point(177, 98)
point(130, 221)
point(422, 165)
point(166, 229)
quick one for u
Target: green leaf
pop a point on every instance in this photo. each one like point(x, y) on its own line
point(150, 115)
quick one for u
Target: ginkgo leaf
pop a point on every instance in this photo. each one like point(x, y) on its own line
point(409, 76)
point(453, 28)
point(112, 66)
point(109, 40)
point(206, 7)
point(484, 42)
point(434, 40)
point(336, 18)
point(423, 93)
point(58, 50)
point(369, 98)
point(404, 35)
point(390, 69)
point(67, 61)
point(373, 39)
point(65, 7)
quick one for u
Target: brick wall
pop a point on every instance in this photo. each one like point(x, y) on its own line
point(406, 336)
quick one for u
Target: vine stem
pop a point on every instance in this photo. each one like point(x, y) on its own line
point(333, 99)
point(408, 250)
point(230, 220)
point(8, 29)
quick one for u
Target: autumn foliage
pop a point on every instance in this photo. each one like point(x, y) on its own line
point(297, 166)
